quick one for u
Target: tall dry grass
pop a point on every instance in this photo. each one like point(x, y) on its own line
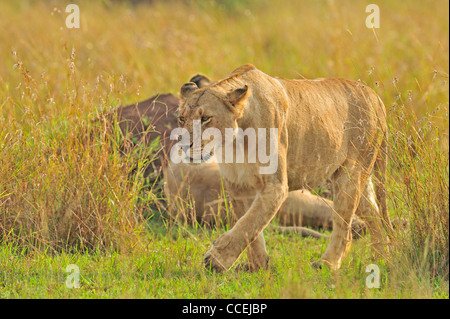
point(64, 182)
point(61, 188)
point(419, 186)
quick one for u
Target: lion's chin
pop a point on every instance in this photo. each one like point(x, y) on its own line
point(197, 161)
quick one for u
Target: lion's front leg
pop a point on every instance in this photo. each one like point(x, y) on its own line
point(256, 251)
point(228, 247)
point(257, 255)
point(223, 254)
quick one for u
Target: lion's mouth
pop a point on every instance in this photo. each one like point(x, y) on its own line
point(204, 158)
point(207, 156)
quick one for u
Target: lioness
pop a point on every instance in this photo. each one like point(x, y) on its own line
point(327, 129)
point(154, 118)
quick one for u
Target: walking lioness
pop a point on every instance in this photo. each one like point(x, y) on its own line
point(327, 129)
point(199, 188)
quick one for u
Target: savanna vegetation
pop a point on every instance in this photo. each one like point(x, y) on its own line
point(68, 195)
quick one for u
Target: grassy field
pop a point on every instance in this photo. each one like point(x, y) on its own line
point(67, 196)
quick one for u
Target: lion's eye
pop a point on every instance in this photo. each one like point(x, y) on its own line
point(206, 118)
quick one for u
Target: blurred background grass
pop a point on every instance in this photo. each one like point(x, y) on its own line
point(156, 45)
point(60, 189)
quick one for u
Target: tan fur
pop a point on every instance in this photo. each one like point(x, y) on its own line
point(198, 190)
point(195, 193)
point(328, 129)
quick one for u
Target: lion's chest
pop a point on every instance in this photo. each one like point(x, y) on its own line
point(243, 175)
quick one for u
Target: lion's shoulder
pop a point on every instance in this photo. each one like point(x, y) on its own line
point(235, 78)
point(243, 69)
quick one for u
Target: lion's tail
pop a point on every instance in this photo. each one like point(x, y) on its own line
point(305, 232)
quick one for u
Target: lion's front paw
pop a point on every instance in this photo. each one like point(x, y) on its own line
point(212, 262)
point(222, 254)
point(319, 264)
point(248, 267)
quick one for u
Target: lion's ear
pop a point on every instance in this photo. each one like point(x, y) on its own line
point(201, 80)
point(187, 90)
point(237, 97)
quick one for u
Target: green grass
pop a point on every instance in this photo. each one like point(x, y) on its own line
point(170, 267)
point(66, 192)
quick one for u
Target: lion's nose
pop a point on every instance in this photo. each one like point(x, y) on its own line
point(186, 147)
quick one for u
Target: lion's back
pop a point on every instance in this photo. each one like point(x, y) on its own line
point(328, 122)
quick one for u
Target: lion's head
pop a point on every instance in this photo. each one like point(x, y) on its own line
point(208, 114)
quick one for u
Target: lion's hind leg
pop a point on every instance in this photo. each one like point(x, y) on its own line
point(348, 185)
point(369, 211)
